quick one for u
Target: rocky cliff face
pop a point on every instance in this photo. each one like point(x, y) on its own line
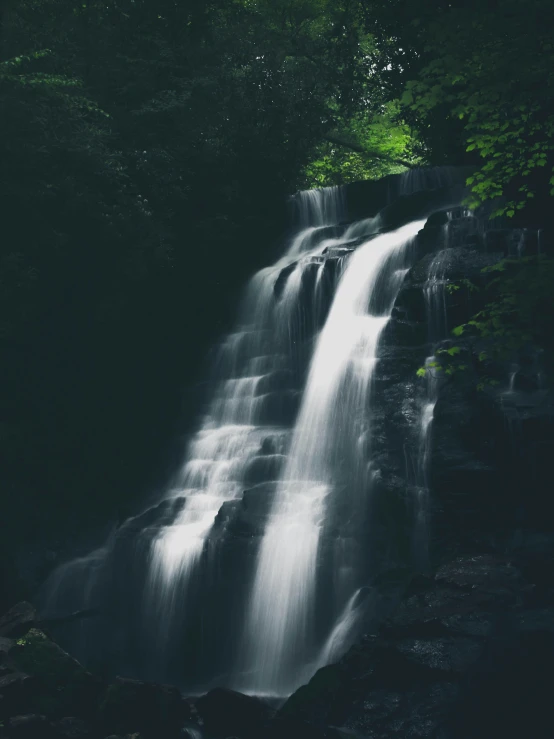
point(467, 653)
point(465, 648)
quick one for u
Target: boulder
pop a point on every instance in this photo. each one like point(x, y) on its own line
point(465, 654)
point(228, 713)
point(18, 620)
point(131, 706)
point(264, 469)
point(62, 686)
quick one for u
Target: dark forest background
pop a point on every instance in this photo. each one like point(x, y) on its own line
point(147, 149)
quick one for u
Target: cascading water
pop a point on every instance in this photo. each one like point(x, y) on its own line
point(251, 571)
point(434, 292)
point(333, 416)
point(252, 363)
point(345, 629)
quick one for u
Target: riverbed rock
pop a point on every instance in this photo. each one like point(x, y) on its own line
point(229, 713)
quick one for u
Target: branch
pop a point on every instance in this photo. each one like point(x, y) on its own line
point(358, 148)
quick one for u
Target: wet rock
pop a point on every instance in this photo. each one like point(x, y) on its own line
point(442, 653)
point(130, 706)
point(459, 646)
point(73, 728)
point(410, 304)
point(31, 727)
point(281, 281)
point(264, 469)
point(227, 513)
point(437, 219)
point(481, 571)
point(247, 516)
point(227, 713)
point(258, 499)
point(5, 646)
point(274, 381)
point(18, 620)
point(419, 205)
point(279, 408)
point(16, 689)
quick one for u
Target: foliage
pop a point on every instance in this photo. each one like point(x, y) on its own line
point(491, 71)
point(369, 145)
point(453, 287)
point(518, 312)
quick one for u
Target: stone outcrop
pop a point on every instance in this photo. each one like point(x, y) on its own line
point(46, 694)
point(467, 654)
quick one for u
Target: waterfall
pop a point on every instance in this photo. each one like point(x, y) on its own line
point(237, 421)
point(435, 295)
point(434, 292)
point(345, 631)
point(252, 570)
point(333, 414)
point(320, 207)
point(427, 404)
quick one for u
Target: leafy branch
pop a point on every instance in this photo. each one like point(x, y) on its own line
point(519, 313)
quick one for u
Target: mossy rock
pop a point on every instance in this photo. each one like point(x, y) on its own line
point(62, 685)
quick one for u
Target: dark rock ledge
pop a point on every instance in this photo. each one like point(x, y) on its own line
point(468, 654)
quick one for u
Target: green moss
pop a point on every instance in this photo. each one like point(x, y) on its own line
point(42, 658)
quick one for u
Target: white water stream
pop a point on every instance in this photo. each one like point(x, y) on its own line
point(278, 632)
